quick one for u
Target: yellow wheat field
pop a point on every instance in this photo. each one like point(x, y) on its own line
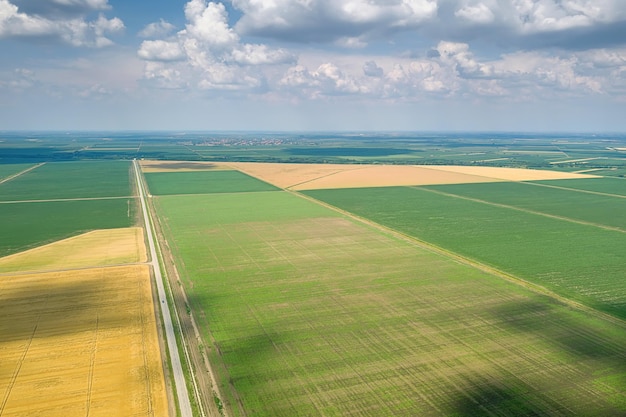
point(80, 343)
point(95, 248)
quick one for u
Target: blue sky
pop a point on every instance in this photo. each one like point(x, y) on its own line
point(512, 65)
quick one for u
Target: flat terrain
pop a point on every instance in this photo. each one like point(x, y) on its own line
point(179, 166)
point(307, 312)
point(615, 186)
point(58, 200)
point(76, 342)
point(65, 180)
point(26, 225)
point(330, 176)
point(7, 170)
point(576, 259)
point(98, 247)
point(199, 182)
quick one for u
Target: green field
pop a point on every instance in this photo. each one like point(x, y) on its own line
point(306, 312)
point(6, 170)
point(606, 210)
point(578, 261)
point(64, 180)
point(27, 225)
point(202, 182)
point(615, 186)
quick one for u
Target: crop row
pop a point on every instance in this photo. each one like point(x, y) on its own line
point(578, 261)
point(310, 313)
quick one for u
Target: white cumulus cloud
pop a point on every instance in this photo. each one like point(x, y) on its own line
point(209, 54)
point(158, 29)
point(330, 20)
point(75, 30)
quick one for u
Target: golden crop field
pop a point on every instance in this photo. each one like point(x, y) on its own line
point(328, 176)
point(95, 248)
point(82, 341)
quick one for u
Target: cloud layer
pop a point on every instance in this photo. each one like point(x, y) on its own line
point(356, 22)
point(319, 54)
point(61, 19)
point(209, 54)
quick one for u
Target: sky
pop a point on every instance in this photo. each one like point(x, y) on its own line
point(298, 65)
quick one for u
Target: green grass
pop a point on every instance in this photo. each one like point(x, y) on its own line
point(573, 204)
point(27, 225)
point(61, 180)
point(6, 170)
point(309, 313)
point(578, 261)
point(204, 182)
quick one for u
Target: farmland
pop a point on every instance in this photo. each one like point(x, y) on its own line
point(204, 182)
point(58, 200)
point(307, 312)
point(70, 180)
point(12, 169)
point(78, 333)
point(422, 296)
point(98, 247)
point(28, 224)
point(558, 152)
point(580, 261)
point(81, 338)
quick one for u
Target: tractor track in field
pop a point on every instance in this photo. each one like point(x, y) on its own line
point(468, 261)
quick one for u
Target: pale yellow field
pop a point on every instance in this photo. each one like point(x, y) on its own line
point(180, 166)
point(96, 248)
point(510, 174)
point(81, 340)
point(324, 176)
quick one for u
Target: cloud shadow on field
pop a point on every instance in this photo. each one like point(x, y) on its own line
point(58, 309)
point(591, 348)
point(496, 398)
point(576, 337)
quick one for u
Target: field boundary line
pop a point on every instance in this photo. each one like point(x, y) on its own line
point(52, 200)
point(523, 210)
point(574, 189)
point(323, 176)
point(536, 288)
point(11, 177)
point(81, 268)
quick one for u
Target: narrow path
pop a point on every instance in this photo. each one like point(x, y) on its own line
point(179, 378)
point(9, 178)
point(578, 190)
point(537, 213)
